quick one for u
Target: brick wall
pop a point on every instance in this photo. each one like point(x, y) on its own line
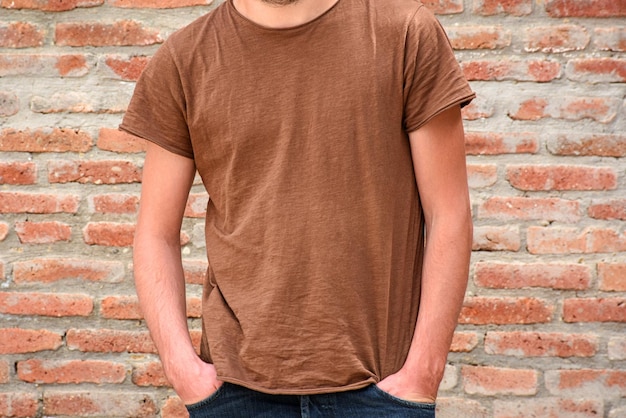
point(542, 330)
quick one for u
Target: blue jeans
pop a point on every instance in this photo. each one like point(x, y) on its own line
point(233, 401)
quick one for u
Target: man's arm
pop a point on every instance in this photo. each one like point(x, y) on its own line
point(158, 271)
point(438, 153)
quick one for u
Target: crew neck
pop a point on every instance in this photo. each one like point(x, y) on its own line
point(250, 22)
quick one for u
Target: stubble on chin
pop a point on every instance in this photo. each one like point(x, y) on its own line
point(280, 2)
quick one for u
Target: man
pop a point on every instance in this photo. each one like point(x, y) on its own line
point(328, 135)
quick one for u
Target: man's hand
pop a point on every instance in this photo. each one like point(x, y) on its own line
point(196, 383)
point(415, 388)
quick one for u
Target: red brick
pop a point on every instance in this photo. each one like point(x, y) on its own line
point(163, 4)
point(548, 407)
point(542, 240)
point(19, 341)
point(195, 271)
point(45, 304)
point(194, 307)
point(121, 33)
point(18, 173)
point(585, 8)
point(174, 408)
point(555, 240)
point(37, 203)
point(70, 371)
point(18, 404)
point(115, 203)
point(42, 232)
point(479, 37)
point(586, 382)
point(603, 145)
point(71, 64)
point(97, 404)
point(20, 35)
point(4, 231)
point(490, 143)
point(481, 176)
point(528, 208)
point(556, 39)
point(196, 205)
point(561, 177)
point(5, 372)
point(53, 270)
point(610, 39)
point(118, 141)
point(45, 140)
point(605, 240)
point(531, 109)
point(9, 102)
point(594, 310)
point(612, 277)
point(598, 109)
point(109, 234)
point(109, 341)
point(150, 374)
point(127, 68)
point(478, 109)
point(96, 172)
point(44, 65)
point(511, 69)
point(494, 7)
point(597, 70)
point(496, 238)
point(49, 5)
point(617, 348)
point(127, 307)
point(520, 276)
point(464, 342)
point(444, 7)
point(499, 381)
point(540, 344)
point(608, 209)
point(120, 307)
point(505, 310)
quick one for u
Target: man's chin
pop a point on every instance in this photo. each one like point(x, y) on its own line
point(280, 2)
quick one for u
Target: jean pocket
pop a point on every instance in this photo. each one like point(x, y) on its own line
point(404, 402)
point(206, 401)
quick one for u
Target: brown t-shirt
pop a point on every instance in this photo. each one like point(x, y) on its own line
point(314, 228)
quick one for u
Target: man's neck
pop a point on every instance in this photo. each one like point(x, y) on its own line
point(282, 16)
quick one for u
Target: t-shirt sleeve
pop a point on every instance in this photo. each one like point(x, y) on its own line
point(433, 79)
point(157, 110)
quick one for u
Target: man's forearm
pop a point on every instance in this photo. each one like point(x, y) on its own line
point(444, 280)
point(161, 289)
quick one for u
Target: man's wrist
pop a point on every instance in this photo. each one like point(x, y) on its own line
point(425, 369)
point(178, 364)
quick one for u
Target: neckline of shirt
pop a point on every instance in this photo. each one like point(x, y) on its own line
point(240, 17)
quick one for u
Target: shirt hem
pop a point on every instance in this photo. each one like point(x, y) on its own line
point(462, 101)
point(303, 391)
point(148, 137)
